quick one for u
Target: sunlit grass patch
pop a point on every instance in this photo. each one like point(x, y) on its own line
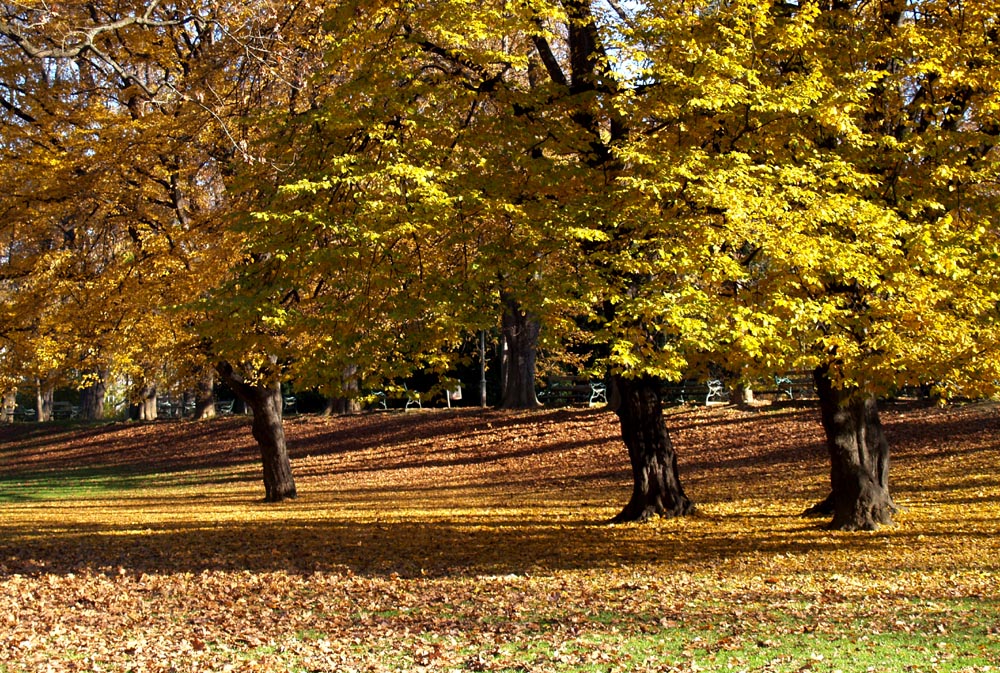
point(68, 484)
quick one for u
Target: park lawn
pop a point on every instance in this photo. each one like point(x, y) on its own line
point(474, 541)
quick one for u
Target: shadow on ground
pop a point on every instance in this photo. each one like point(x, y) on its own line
point(434, 549)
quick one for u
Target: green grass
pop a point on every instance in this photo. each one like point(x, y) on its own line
point(783, 643)
point(71, 484)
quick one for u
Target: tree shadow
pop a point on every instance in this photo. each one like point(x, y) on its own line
point(166, 446)
point(330, 540)
point(133, 448)
point(404, 548)
point(374, 429)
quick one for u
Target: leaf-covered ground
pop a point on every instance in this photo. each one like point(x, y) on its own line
point(474, 541)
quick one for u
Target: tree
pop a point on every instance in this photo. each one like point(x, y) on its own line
point(519, 330)
point(264, 397)
point(541, 107)
point(173, 90)
point(938, 207)
point(843, 195)
point(595, 128)
point(121, 122)
point(372, 244)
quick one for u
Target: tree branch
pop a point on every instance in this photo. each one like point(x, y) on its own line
point(622, 14)
point(549, 60)
point(83, 41)
point(16, 111)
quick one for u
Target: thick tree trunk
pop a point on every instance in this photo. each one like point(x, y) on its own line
point(656, 489)
point(269, 432)
point(349, 402)
point(859, 459)
point(44, 400)
point(520, 331)
point(8, 406)
point(92, 398)
point(204, 397)
point(145, 407)
point(342, 406)
point(265, 401)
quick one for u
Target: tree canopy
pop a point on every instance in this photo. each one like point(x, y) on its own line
point(322, 193)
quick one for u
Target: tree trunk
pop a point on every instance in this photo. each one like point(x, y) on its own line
point(8, 406)
point(145, 408)
point(520, 331)
point(44, 399)
point(204, 397)
point(348, 403)
point(92, 398)
point(265, 401)
point(342, 406)
point(859, 458)
point(656, 489)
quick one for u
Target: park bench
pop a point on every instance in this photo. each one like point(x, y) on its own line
point(794, 385)
point(380, 399)
point(712, 391)
point(570, 390)
point(413, 399)
point(24, 414)
point(62, 411)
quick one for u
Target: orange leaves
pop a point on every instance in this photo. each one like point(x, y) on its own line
point(473, 541)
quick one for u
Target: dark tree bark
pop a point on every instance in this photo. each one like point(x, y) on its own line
point(92, 398)
point(204, 397)
point(656, 489)
point(520, 331)
point(744, 395)
point(859, 458)
point(342, 406)
point(265, 401)
point(44, 400)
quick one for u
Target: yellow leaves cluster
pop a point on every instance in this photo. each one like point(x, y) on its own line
point(769, 180)
point(847, 218)
point(116, 222)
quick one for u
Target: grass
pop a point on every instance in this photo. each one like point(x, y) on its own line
point(70, 484)
point(470, 542)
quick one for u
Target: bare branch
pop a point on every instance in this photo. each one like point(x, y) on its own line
point(81, 43)
point(622, 14)
point(16, 111)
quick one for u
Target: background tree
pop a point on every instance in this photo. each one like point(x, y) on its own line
point(115, 222)
point(380, 241)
